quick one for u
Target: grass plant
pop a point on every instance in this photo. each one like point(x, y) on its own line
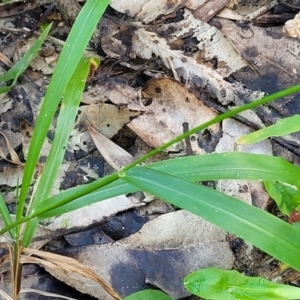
point(172, 180)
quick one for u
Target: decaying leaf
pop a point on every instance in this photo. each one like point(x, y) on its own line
point(111, 152)
point(65, 265)
point(250, 192)
point(14, 158)
point(145, 43)
point(40, 62)
point(203, 44)
point(161, 254)
point(147, 11)
point(172, 107)
point(270, 52)
point(292, 27)
point(119, 93)
point(93, 214)
point(105, 118)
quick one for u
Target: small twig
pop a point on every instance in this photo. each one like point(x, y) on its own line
point(261, 10)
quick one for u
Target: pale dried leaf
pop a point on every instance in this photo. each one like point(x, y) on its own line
point(292, 27)
point(146, 43)
point(52, 295)
point(227, 13)
point(108, 119)
point(131, 263)
point(111, 152)
point(269, 52)
point(249, 192)
point(173, 105)
point(65, 264)
point(148, 11)
point(14, 156)
point(5, 296)
point(118, 93)
point(94, 213)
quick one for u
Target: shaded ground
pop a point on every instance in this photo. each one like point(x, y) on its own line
point(124, 77)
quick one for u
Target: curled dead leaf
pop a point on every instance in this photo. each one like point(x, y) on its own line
point(111, 152)
point(14, 156)
point(65, 265)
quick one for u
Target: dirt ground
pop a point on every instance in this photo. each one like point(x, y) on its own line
point(164, 68)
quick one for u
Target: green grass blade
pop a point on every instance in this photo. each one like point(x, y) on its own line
point(282, 127)
point(44, 208)
point(148, 295)
point(226, 115)
point(287, 197)
point(260, 228)
point(6, 216)
point(194, 168)
point(14, 72)
point(69, 58)
point(242, 166)
point(216, 284)
point(231, 165)
point(65, 123)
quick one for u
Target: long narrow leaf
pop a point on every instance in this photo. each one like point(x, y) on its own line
point(282, 127)
point(262, 229)
point(65, 123)
point(6, 216)
point(69, 58)
point(194, 168)
point(241, 166)
point(14, 72)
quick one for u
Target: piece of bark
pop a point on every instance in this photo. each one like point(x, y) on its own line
point(209, 9)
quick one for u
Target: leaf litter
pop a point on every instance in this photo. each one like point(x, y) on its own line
point(175, 41)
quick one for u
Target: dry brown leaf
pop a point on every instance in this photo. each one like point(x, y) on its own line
point(116, 92)
point(111, 152)
point(108, 119)
point(162, 253)
point(14, 156)
point(173, 105)
point(64, 264)
point(38, 63)
point(148, 11)
point(270, 52)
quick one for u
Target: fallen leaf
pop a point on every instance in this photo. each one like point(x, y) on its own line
point(106, 118)
point(152, 256)
point(118, 93)
point(172, 106)
point(111, 152)
point(250, 192)
point(14, 158)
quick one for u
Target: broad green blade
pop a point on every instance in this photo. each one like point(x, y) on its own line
point(65, 123)
point(256, 226)
point(216, 284)
point(217, 166)
point(148, 295)
point(14, 72)
point(194, 168)
point(69, 58)
point(287, 197)
point(282, 127)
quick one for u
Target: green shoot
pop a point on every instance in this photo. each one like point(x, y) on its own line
point(216, 284)
point(282, 127)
